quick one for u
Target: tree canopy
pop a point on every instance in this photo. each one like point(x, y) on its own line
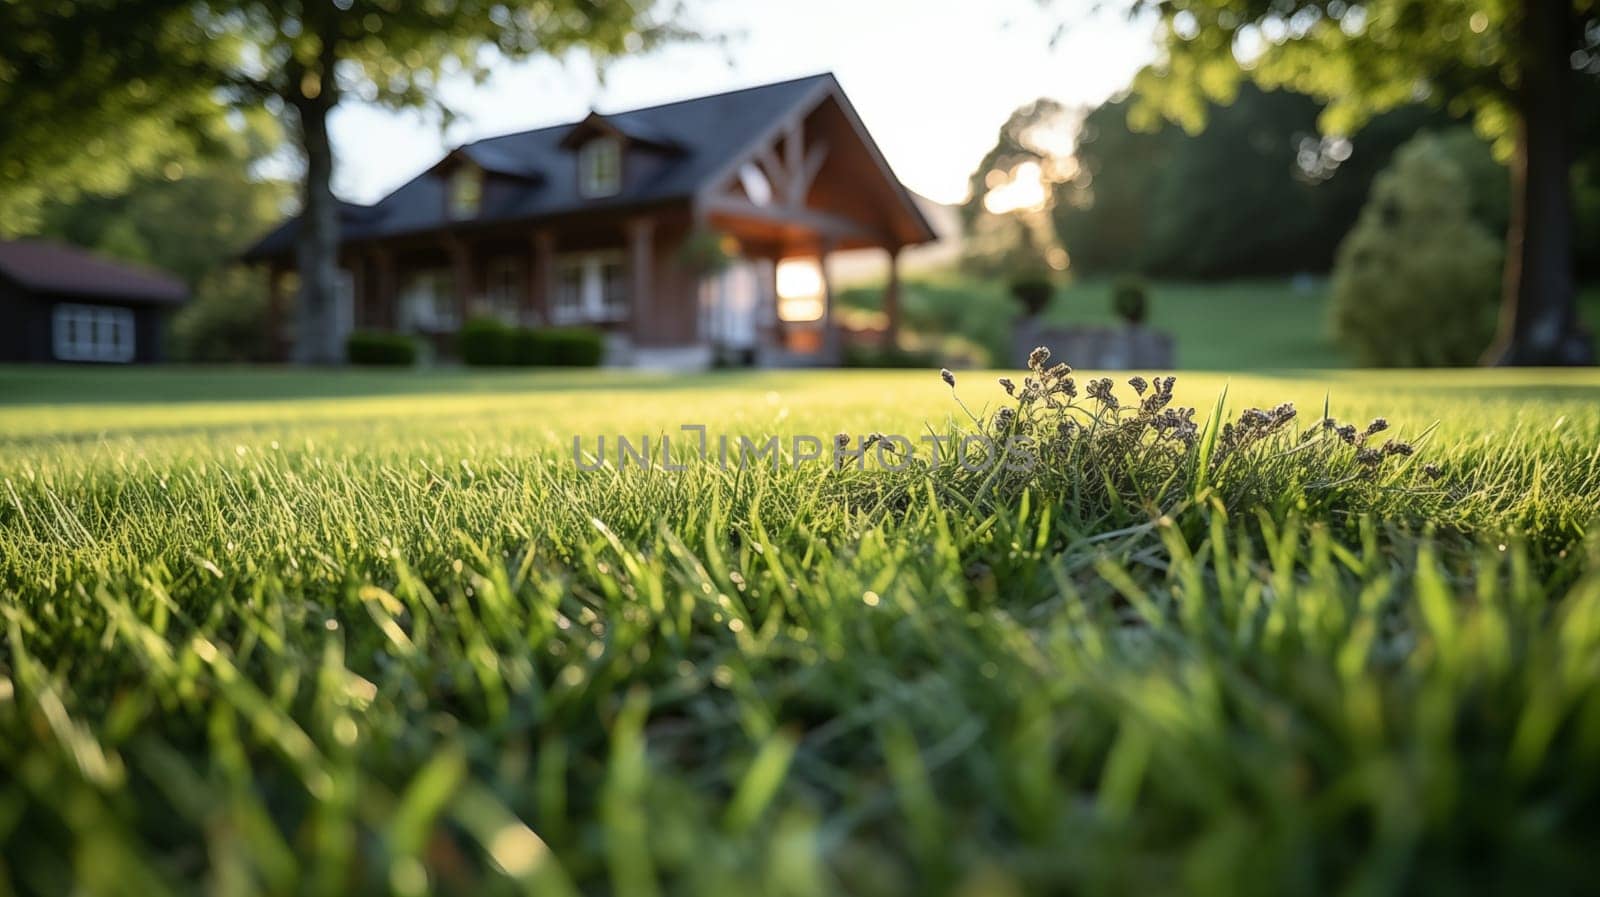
point(1514, 66)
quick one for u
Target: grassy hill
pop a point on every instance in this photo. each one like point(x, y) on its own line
point(1247, 325)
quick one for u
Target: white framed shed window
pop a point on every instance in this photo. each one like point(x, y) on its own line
point(591, 288)
point(92, 333)
point(600, 167)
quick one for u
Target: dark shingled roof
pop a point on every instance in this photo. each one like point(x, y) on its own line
point(704, 134)
point(45, 267)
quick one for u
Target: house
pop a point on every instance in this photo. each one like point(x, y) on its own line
point(58, 303)
point(606, 222)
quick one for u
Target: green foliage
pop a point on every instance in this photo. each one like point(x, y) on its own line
point(889, 358)
point(1361, 58)
point(392, 640)
point(485, 342)
point(1258, 193)
point(558, 347)
point(705, 252)
point(381, 348)
point(90, 100)
point(225, 321)
point(1033, 290)
point(1128, 300)
point(190, 219)
point(1417, 280)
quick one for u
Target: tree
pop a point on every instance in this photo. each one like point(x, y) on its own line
point(305, 57)
point(1515, 65)
point(191, 217)
point(1260, 192)
point(85, 109)
point(1006, 214)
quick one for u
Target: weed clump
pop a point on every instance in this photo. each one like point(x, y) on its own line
point(1115, 452)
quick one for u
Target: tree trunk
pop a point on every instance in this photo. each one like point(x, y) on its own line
point(317, 247)
point(1539, 313)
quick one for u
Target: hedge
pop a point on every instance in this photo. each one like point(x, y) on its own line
point(374, 348)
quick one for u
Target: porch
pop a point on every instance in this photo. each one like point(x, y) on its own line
point(771, 305)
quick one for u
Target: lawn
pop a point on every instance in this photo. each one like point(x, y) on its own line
point(1221, 326)
point(340, 632)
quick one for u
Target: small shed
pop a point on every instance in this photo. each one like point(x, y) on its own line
point(64, 304)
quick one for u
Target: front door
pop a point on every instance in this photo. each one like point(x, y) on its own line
point(731, 303)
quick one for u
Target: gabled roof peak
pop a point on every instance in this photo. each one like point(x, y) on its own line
point(595, 124)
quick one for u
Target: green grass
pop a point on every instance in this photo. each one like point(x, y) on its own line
point(1228, 326)
point(334, 632)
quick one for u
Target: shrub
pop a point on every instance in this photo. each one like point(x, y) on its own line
point(369, 347)
point(226, 321)
point(1128, 301)
point(1034, 290)
point(483, 342)
point(887, 357)
point(1417, 279)
point(557, 347)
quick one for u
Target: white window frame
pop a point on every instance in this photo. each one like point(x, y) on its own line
point(581, 295)
point(600, 167)
point(101, 333)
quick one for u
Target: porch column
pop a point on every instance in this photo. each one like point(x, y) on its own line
point(891, 301)
point(541, 276)
point(461, 275)
point(385, 300)
point(276, 345)
point(641, 276)
point(832, 346)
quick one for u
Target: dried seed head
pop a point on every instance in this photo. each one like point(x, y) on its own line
point(1010, 388)
point(1038, 357)
point(842, 440)
point(1432, 470)
point(1139, 384)
point(948, 378)
point(1004, 418)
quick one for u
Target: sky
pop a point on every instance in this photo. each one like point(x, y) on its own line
point(932, 79)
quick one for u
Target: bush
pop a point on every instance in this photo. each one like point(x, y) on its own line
point(1034, 290)
point(225, 322)
point(1417, 280)
point(890, 357)
point(483, 342)
point(1128, 301)
point(705, 252)
point(558, 347)
point(369, 347)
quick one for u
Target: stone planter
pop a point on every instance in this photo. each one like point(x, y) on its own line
point(1126, 348)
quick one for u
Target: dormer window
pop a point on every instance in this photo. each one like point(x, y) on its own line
point(600, 167)
point(466, 192)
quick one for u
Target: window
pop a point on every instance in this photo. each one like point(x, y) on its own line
point(466, 192)
point(591, 288)
point(600, 167)
point(755, 184)
point(504, 293)
point(92, 333)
